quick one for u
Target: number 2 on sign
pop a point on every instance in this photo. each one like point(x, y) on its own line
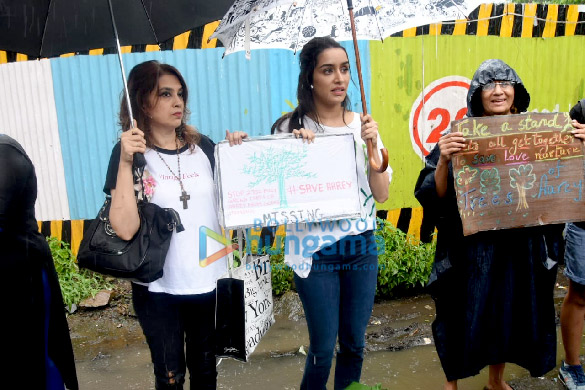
point(445, 120)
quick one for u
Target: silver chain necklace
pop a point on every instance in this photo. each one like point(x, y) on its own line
point(184, 196)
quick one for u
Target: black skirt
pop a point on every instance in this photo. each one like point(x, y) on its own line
point(495, 304)
point(493, 290)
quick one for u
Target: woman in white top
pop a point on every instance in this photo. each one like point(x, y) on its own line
point(338, 282)
point(177, 311)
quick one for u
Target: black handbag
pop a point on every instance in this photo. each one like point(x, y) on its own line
point(140, 259)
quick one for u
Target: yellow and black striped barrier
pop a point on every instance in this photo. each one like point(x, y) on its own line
point(409, 220)
point(510, 21)
point(504, 20)
point(193, 39)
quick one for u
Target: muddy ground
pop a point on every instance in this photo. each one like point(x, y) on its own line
point(111, 352)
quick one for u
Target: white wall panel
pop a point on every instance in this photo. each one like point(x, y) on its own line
point(28, 114)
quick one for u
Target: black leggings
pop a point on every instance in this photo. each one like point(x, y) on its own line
point(170, 322)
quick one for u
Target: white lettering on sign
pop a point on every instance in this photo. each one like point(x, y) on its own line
point(258, 301)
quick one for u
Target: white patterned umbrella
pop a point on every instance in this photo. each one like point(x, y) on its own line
point(289, 24)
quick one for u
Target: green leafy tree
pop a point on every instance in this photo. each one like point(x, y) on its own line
point(277, 165)
point(490, 181)
point(522, 179)
point(466, 175)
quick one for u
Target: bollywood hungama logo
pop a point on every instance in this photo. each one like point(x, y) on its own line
point(292, 244)
point(204, 259)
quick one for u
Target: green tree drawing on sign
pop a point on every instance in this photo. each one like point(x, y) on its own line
point(522, 179)
point(490, 181)
point(466, 175)
point(277, 165)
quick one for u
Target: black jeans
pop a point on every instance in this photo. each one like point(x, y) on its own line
point(170, 322)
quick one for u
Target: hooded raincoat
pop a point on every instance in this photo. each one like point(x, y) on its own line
point(36, 339)
point(493, 290)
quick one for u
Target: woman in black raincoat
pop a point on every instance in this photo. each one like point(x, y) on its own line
point(35, 342)
point(493, 290)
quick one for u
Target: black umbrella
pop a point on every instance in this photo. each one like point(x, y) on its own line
point(48, 28)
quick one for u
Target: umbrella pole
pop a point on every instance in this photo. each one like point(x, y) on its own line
point(139, 160)
point(371, 150)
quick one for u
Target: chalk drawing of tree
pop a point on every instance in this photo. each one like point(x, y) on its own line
point(466, 175)
point(522, 179)
point(277, 165)
point(490, 181)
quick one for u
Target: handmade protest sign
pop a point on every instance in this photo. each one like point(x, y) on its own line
point(274, 180)
point(518, 170)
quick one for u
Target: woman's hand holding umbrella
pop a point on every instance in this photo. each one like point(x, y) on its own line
point(132, 142)
point(370, 137)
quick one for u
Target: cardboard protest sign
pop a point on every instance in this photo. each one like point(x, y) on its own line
point(518, 170)
point(274, 180)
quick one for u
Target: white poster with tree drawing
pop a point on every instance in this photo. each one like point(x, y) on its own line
point(275, 180)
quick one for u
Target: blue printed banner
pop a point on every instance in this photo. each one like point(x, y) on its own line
point(518, 170)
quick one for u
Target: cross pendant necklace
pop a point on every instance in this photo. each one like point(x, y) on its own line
point(184, 195)
point(184, 198)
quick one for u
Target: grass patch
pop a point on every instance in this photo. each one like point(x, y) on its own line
point(403, 261)
point(76, 284)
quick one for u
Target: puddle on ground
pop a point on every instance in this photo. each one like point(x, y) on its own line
point(399, 356)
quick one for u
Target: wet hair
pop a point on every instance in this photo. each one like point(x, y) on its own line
point(142, 81)
point(308, 61)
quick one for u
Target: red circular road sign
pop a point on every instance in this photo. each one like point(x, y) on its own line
point(441, 102)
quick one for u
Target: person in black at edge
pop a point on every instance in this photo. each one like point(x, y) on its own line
point(573, 309)
point(493, 290)
point(36, 339)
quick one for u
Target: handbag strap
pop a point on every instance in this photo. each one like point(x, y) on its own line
point(230, 255)
point(241, 248)
point(137, 174)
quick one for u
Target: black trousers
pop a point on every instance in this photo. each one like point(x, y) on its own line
point(180, 331)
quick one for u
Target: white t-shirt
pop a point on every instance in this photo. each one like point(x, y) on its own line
point(299, 256)
point(183, 273)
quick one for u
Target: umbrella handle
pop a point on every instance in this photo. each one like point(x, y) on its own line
point(373, 165)
point(382, 167)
